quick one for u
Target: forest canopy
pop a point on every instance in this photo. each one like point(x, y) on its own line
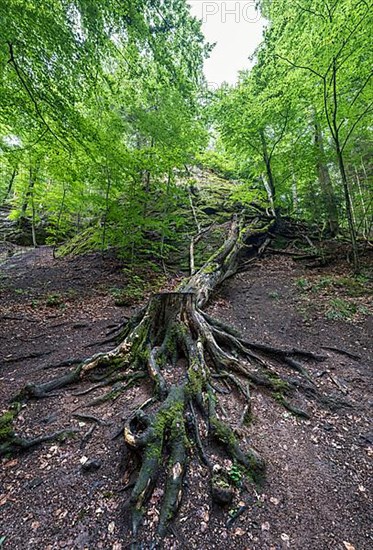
point(108, 90)
point(104, 106)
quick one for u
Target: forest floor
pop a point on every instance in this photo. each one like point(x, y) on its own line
point(317, 493)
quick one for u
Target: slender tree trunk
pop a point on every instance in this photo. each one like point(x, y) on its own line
point(31, 198)
point(10, 185)
point(270, 187)
point(349, 208)
point(294, 190)
point(365, 221)
point(325, 182)
point(28, 196)
point(335, 131)
point(107, 193)
point(146, 184)
point(33, 231)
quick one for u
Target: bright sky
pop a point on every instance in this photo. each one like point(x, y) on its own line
point(237, 29)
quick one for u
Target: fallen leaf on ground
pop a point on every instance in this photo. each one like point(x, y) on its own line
point(10, 463)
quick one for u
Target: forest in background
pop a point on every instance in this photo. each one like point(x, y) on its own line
point(104, 110)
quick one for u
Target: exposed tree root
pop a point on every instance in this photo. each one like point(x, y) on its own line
point(14, 444)
point(186, 354)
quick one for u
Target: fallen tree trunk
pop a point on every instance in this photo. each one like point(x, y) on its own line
point(184, 351)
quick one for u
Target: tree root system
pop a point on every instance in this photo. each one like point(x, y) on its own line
point(190, 358)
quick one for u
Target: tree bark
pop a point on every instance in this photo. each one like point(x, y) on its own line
point(326, 183)
point(10, 185)
point(349, 208)
point(270, 181)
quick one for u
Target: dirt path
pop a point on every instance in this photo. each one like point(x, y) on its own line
point(318, 489)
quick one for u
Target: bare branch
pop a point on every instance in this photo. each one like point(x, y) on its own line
point(325, 94)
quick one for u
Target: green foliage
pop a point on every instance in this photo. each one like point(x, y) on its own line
point(249, 194)
point(132, 293)
point(340, 310)
point(298, 123)
point(303, 284)
point(235, 474)
point(350, 286)
point(54, 300)
point(6, 425)
point(99, 109)
point(219, 161)
point(6, 421)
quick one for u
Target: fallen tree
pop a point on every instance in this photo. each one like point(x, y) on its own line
point(185, 352)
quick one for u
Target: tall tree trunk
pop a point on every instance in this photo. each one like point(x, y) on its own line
point(365, 222)
point(28, 195)
point(269, 181)
point(10, 185)
point(325, 182)
point(33, 221)
point(146, 179)
point(294, 191)
point(332, 120)
point(107, 193)
point(349, 208)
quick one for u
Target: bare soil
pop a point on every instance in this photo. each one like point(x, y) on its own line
point(318, 489)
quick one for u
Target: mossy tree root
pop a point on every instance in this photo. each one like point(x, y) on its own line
point(173, 330)
point(13, 444)
point(183, 351)
point(178, 331)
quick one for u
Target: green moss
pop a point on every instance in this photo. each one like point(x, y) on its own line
point(154, 448)
point(210, 268)
point(6, 425)
point(165, 417)
point(175, 335)
point(278, 384)
point(278, 396)
point(167, 414)
point(196, 380)
point(85, 241)
point(143, 355)
point(223, 433)
point(220, 481)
